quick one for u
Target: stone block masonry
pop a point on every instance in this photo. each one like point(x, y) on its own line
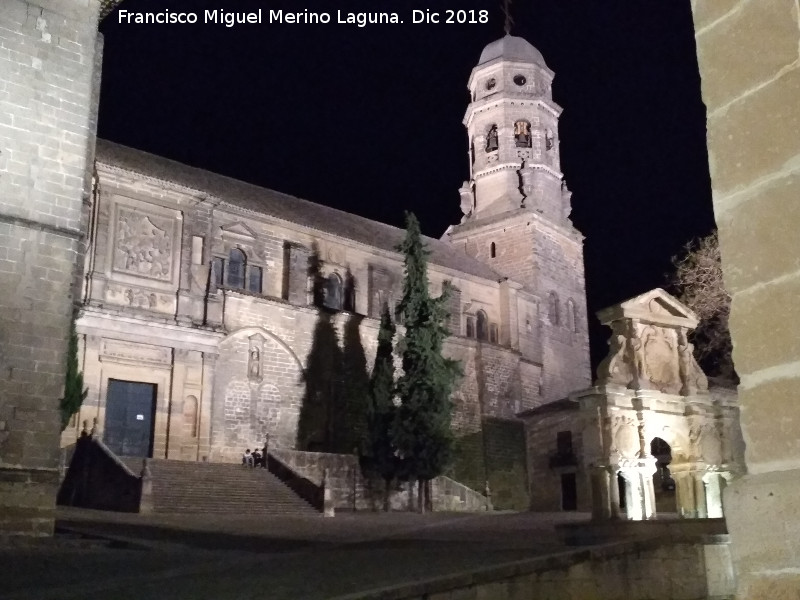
point(49, 61)
point(749, 59)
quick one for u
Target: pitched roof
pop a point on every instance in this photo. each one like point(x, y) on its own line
point(284, 206)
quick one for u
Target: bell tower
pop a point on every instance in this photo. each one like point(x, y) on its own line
point(516, 209)
point(512, 123)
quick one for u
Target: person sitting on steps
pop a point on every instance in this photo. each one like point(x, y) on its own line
point(247, 459)
point(257, 462)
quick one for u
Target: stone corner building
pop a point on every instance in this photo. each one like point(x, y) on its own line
point(49, 76)
point(207, 303)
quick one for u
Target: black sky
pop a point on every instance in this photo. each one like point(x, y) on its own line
point(368, 120)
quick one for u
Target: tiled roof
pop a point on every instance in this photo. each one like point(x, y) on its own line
point(283, 206)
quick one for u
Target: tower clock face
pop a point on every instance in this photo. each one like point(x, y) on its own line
point(520, 79)
point(490, 83)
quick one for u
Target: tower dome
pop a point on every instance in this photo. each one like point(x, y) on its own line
point(511, 48)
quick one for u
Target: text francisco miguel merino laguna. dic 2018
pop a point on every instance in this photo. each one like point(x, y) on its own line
point(305, 17)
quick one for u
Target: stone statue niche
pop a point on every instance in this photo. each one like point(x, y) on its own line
point(650, 386)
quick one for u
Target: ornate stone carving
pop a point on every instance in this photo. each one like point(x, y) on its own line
point(143, 245)
point(692, 377)
point(659, 357)
point(254, 360)
point(636, 356)
point(615, 368)
point(465, 191)
point(140, 299)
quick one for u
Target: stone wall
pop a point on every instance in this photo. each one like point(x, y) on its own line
point(542, 429)
point(350, 490)
point(649, 570)
point(749, 58)
point(49, 72)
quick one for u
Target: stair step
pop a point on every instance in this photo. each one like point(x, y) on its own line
point(218, 488)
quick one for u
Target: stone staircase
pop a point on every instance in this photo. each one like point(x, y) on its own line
point(218, 488)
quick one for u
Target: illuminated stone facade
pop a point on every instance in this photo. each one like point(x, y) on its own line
point(200, 287)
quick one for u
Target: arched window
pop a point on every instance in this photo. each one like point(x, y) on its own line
point(493, 250)
point(482, 326)
point(333, 292)
point(553, 309)
point(572, 321)
point(522, 134)
point(236, 265)
point(491, 139)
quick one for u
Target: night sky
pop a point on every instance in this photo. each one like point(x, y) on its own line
point(368, 120)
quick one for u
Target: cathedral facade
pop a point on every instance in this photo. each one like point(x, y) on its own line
point(214, 312)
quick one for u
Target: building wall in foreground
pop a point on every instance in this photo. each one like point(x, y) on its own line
point(749, 57)
point(49, 80)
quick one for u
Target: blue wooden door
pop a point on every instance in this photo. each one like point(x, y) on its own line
point(130, 412)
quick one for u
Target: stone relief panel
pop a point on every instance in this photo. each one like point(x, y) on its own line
point(625, 437)
point(660, 362)
point(139, 298)
point(143, 244)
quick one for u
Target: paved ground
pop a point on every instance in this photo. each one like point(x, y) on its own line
point(309, 558)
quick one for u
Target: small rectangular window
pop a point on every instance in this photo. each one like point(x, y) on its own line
point(218, 270)
point(254, 280)
point(197, 250)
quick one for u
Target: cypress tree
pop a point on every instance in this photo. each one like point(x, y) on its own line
point(379, 451)
point(74, 392)
point(422, 432)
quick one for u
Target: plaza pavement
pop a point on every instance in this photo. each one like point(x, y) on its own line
point(118, 556)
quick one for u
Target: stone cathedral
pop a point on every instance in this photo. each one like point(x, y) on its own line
point(207, 302)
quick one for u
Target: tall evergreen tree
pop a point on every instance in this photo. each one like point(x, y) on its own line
point(378, 453)
point(74, 392)
point(421, 432)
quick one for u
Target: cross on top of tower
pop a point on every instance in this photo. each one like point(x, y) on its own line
point(507, 13)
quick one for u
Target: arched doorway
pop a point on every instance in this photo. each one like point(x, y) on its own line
point(663, 483)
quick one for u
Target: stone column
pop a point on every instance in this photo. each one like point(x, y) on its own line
point(175, 404)
point(649, 496)
point(713, 495)
point(749, 59)
point(601, 500)
point(207, 410)
point(634, 495)
point(700, 495)
point(684, 495)
point(614, 495)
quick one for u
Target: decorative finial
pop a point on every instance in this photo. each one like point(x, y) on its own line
point(507, 12)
